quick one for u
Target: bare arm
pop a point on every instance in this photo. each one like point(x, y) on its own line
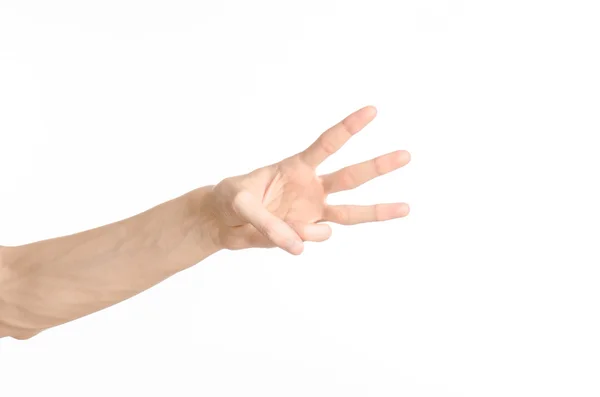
point(50, 282)
point(283, 205)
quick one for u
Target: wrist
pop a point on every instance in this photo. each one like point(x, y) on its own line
point(207, 228)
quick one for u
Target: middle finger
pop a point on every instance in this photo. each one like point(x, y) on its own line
point(355, 175)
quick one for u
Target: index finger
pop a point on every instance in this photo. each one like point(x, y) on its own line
point(335, 137)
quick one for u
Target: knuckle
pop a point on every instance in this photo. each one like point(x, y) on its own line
point(268, 228)
point(378, 164)
point(341, 215)
point(347, 179)
point(327, 145)
point(238, 200)
point(347, 126)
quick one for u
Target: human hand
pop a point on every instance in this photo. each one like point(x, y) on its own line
point(283, 204)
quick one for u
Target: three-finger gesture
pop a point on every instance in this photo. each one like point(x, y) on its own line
point(284, 204)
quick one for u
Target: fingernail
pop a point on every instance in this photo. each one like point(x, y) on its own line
point(402, 210)
point(295, 246)
point(317, 232)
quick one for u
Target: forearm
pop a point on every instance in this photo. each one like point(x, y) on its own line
point(54, 281)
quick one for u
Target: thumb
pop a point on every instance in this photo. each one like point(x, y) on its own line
point(273, 228)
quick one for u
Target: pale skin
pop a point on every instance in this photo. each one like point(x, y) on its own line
point(51, 282)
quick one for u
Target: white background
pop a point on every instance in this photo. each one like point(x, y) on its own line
point(489, 288)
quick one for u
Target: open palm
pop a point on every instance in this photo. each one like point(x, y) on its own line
point(284, 204)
